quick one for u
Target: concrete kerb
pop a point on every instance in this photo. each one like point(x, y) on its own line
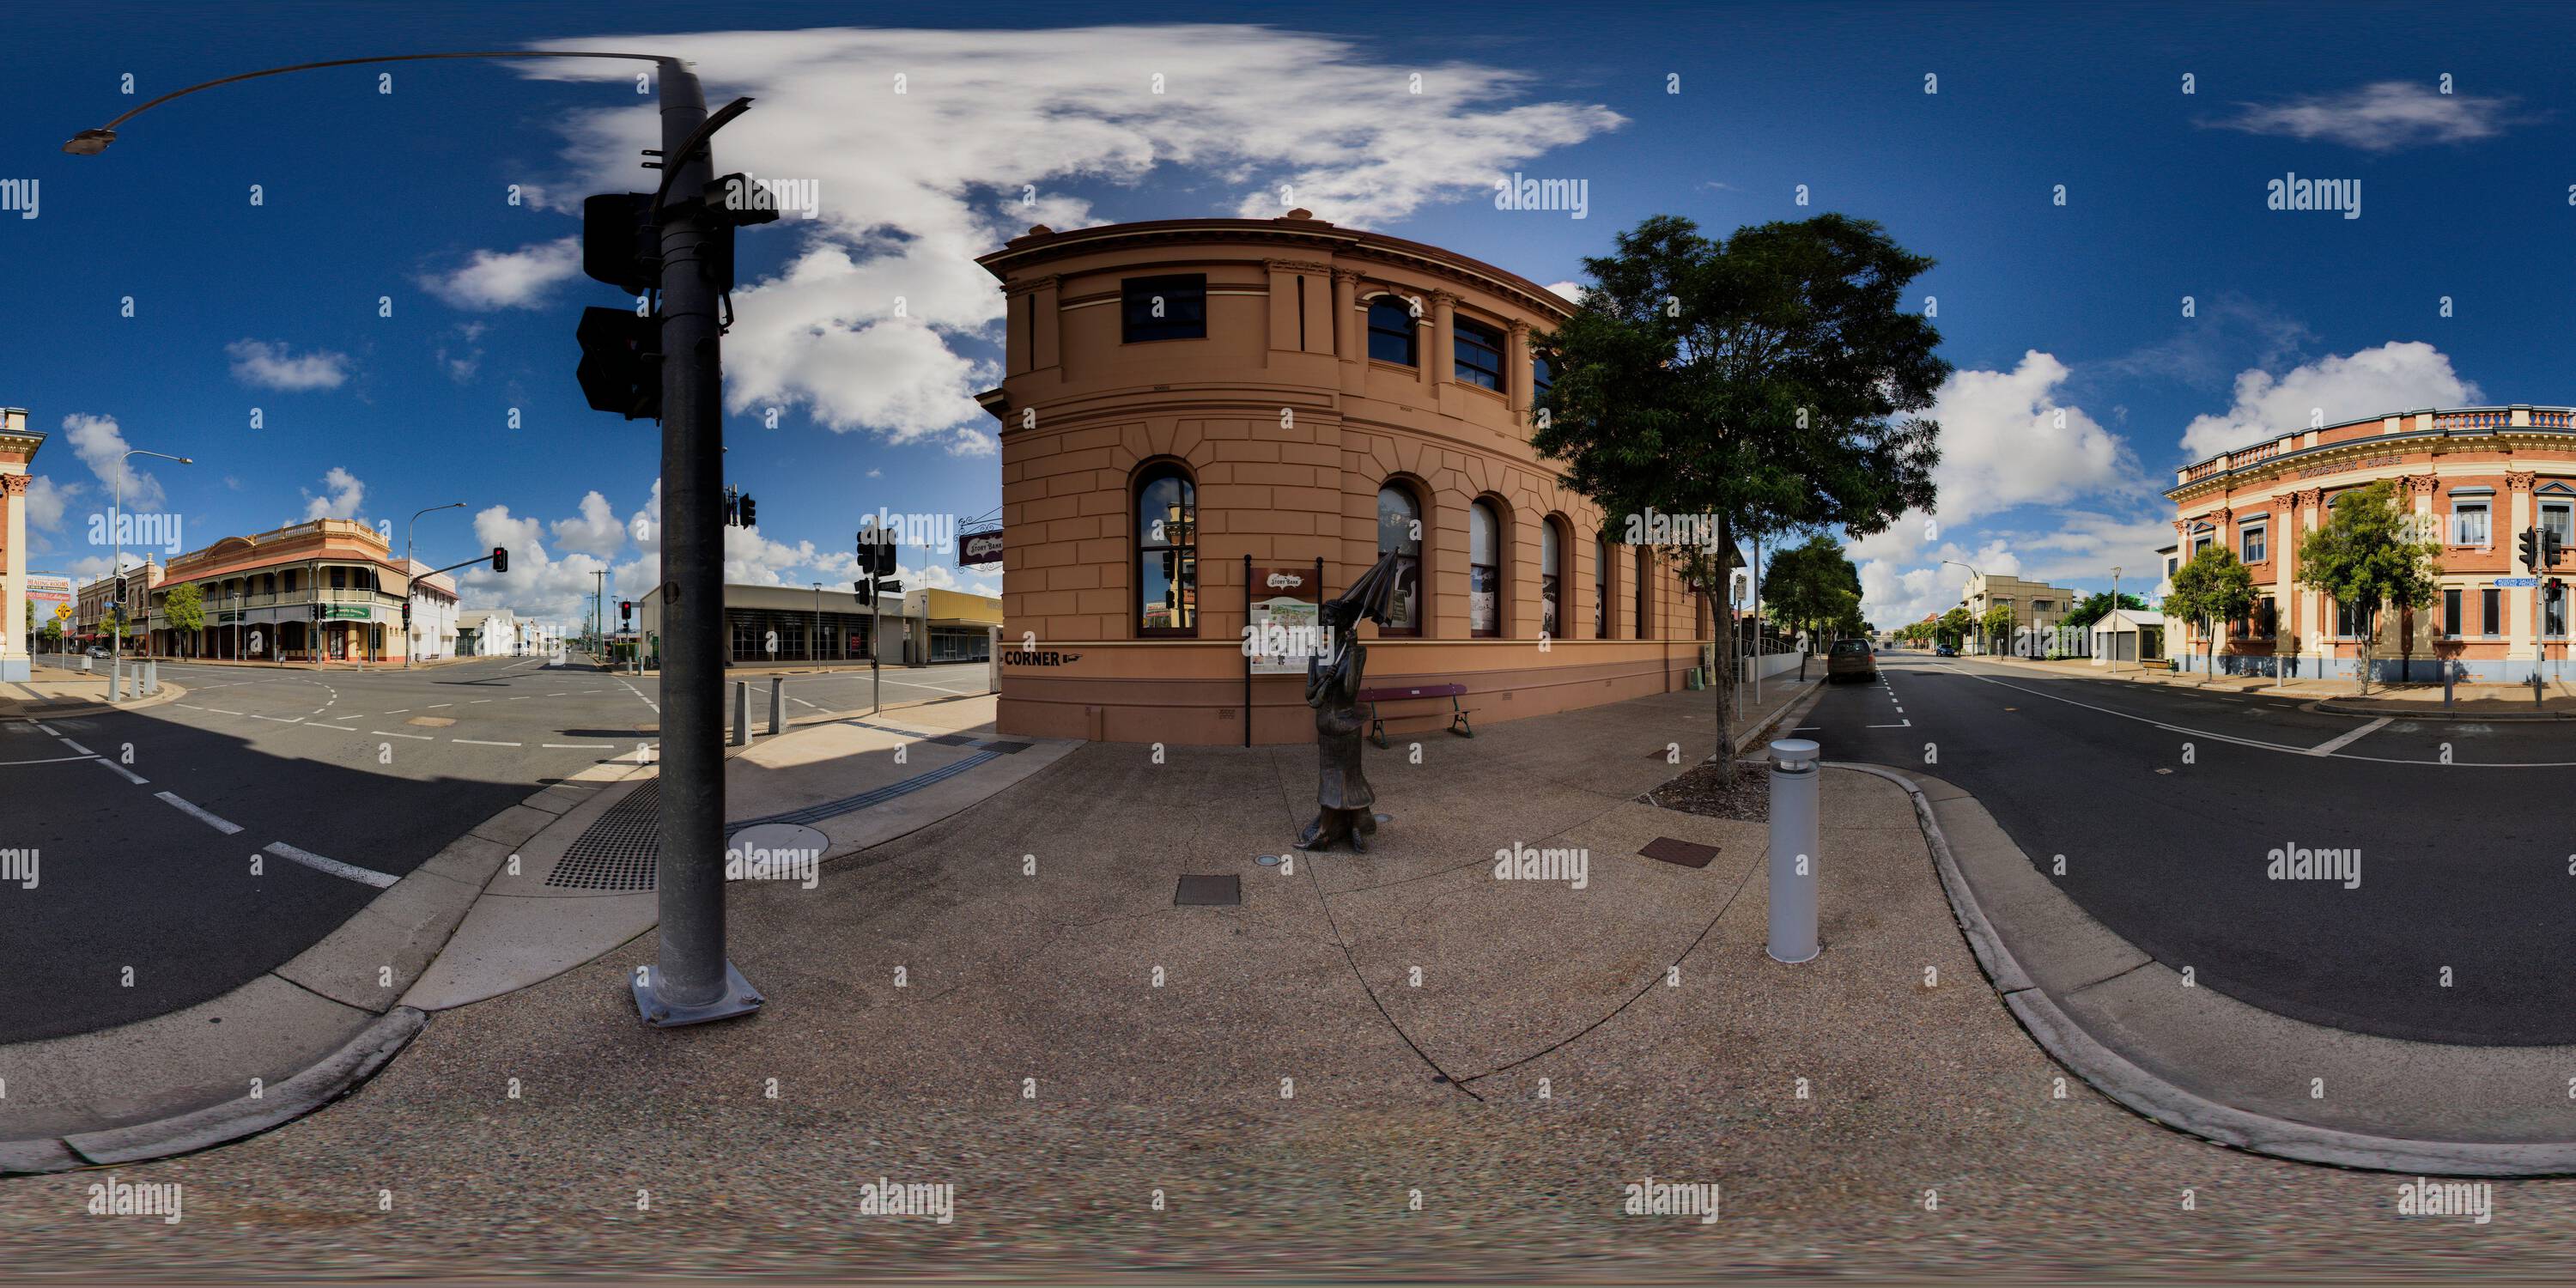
point(402, 929)
point(2158, 1099)
point(19, 708)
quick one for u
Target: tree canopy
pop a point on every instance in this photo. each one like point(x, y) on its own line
point(2367, 555)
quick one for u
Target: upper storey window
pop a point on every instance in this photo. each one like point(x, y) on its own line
point(1542, 375)
point(1171, 307)
point(1480, 354)
point(1391, 333)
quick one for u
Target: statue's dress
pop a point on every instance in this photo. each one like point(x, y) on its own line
point(1342, 793)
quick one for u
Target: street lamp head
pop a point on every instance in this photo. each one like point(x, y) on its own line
point(185, 460)
point(89, 143)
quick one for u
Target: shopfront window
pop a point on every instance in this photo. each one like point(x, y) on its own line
point(1399, 530)
point(1167, 553)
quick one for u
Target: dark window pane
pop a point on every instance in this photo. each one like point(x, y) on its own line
point(2450, 612)
point(1166, 553)
point(1479, 353)
point(1172, 307)
point(1391, 331)
point(2490, 611)
point(1542, 375)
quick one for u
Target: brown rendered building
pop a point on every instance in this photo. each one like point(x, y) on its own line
point(2477, 476)
point(1181, 394)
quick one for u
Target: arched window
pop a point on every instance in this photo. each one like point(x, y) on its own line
point(1167, 553)
point(1399, 529)
point(1551, 579)
point(1645, 580)
point(1484, 570)
point(1601, 586)
point(1391, 331)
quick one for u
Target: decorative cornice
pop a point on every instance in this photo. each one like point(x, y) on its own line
point(16, 484)
point(2521, 482)
point(1349, 276)
point(2311, 497)
point(1031, 285)
point(2421, 484)
point(1296, 266)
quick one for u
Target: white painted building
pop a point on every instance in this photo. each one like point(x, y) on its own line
point(433, 614)
point(487, 632)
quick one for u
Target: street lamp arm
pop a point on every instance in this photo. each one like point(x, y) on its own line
point(98, 139)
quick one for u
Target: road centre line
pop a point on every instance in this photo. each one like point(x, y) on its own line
point(387, 733)
point(581, 746)
point(316, 724)
point(2267, 746)
point(50, 760)
point(279, 719)
point(129, 775)
point(477, 742)
point(333, 866)
point(207, 817)
point(73, 745)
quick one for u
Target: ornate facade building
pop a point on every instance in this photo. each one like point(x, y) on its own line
point(2474, 476)
point(1186, 398)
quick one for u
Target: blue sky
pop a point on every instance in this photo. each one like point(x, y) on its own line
point(867, 327)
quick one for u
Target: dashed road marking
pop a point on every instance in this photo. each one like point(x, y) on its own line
point(333, 866)
point(50, 760)
point(477, 742)
point(580, 746)
point(279, 719)
point(207, 817)
point(74, 746)
point(387, 733)
point(129, 775)
point(316, 724)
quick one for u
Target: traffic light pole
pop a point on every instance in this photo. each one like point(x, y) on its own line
point(691, 981)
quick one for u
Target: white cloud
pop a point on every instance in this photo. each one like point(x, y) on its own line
point(342, 494)
point(102, 446)
point(537, 584)
point(1572, 291)
point(595, 532)
point(2378, 117)
point(912, 186)
point(264, 365)
point(45, 501)
point(508, 279)
point(2395, 377)
point(2007, 441)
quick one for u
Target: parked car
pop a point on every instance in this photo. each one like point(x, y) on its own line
point(94, 651)
point(1854, 658)
point(1945, 651)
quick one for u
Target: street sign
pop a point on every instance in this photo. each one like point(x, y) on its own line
point(2522, 583)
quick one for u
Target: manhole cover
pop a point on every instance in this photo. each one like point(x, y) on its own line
point(774, 852)
point(1689, 854)
point(1209, 892)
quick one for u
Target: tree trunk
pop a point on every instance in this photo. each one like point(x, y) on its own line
point(1727, 669)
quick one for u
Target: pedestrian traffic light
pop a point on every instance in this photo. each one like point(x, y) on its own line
point(2531, 549)
point(500, 559)
point(621, 362)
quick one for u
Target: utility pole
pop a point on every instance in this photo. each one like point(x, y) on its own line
point(408, 647)
point(598, 608)
point(2113, 639)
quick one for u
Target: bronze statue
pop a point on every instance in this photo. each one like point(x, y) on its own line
point(1345, 806)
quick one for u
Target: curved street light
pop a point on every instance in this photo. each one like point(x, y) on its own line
point(414, 521)
point(1979, 622)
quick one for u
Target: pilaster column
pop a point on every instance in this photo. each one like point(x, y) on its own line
point(1516, 365)
point(1438, 367)
point(1350, 336)
point(14, 661)
point(2521, 607)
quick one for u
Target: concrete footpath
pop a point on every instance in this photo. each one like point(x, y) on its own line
point(1390, 1064)
point(59, 692)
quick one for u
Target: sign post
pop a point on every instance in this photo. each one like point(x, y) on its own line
point(1283, 625)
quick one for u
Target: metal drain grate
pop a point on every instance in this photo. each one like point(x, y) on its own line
point(618, 850)
point(623, 848)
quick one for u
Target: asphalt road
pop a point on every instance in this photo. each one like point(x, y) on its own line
point(2167, 804)
point(146, 823)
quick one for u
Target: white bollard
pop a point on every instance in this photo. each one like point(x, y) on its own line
point(1794, 832)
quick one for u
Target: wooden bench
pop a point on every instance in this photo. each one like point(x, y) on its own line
point(1372, 698)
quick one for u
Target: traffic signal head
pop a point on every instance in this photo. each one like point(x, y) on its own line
point(625, 609)
point(500, 559)
point(866, 585)
point(2531, 549)
point(750, 517)
point(619, 244)
point(2552, 546)
point(621, 359)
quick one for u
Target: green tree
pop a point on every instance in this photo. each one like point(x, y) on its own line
point(2096, 606)
point(1768, 380)
point(1807, 586)
point(1953, 627)
point(2213, 587)
point(2368, 556)
point(184, 607)
point(1997, 626)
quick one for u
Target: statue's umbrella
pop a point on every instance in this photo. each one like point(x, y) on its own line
point(1372, 593)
